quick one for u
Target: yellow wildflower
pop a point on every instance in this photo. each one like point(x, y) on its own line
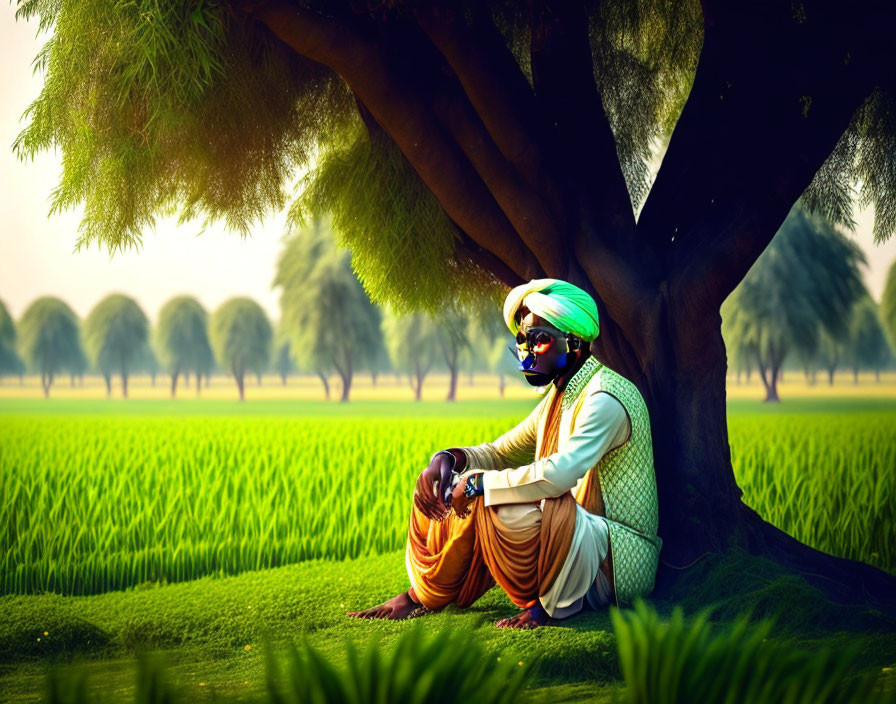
point(520, 663)
point(247, 648)
point(46, 633)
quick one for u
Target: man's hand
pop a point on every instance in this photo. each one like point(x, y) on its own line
point(460, 502)
point(431, 486)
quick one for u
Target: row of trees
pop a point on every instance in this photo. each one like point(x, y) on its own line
point(116, 338)
point(328, 325)
point(804, 304)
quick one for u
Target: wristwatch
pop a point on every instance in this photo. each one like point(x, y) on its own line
point(473, 486)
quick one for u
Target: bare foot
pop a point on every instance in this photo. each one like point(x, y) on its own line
point(533, 617)
point(397, 608)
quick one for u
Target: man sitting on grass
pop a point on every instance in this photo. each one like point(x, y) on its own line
point(560, 511)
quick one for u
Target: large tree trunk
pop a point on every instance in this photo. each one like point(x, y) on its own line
point(199, 382)
point(700, 503)
point(174, 384)
point(107, 377)
point(325, 382)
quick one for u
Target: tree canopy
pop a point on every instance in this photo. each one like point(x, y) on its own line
point(867, 346)
point(49, 338)
point(325, 311)
point(182, 339)
point(241, 336)
point(412, 340)
point(116, 334)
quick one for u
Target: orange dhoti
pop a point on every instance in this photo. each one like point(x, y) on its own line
point(518, 546)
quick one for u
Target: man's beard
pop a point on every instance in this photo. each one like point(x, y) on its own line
point(536, 378)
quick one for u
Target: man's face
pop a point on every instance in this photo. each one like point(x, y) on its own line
point(539, 339)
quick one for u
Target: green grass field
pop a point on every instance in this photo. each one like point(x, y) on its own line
point(112, 501)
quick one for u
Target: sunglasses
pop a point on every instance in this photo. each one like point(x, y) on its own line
point(537, 341)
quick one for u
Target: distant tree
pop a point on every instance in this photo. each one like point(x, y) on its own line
point(379, 362)
point(413, 343)
point(49, 338)
point(830, 352)
point(116, 333)
point(10, 363)
point(182, 340)
point(489, 341)
point(284, 362)
point(888, 307)
point(453, 334)
point(867, 346)
point(78, 364)
point(148, 362)
point(241, 337)
point(325, 311)
point(805, 282)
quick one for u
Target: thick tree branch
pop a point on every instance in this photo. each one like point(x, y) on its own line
point(417, 64)
point(485, 259)
point(563, 73)
point(497, 89)
point(757, 127)
point(410, 124)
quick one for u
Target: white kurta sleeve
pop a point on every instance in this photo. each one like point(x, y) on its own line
point(601, 425)
point(514, 448)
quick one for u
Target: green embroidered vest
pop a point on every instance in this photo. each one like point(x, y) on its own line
point(627, 482)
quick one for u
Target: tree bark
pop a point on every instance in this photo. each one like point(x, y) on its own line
point(199, 382)
point(174, 383)
point(108, 378)
point(325, 382)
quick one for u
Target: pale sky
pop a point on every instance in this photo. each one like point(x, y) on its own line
point(37, 252)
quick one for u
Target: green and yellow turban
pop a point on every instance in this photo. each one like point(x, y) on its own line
point(563, 305)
